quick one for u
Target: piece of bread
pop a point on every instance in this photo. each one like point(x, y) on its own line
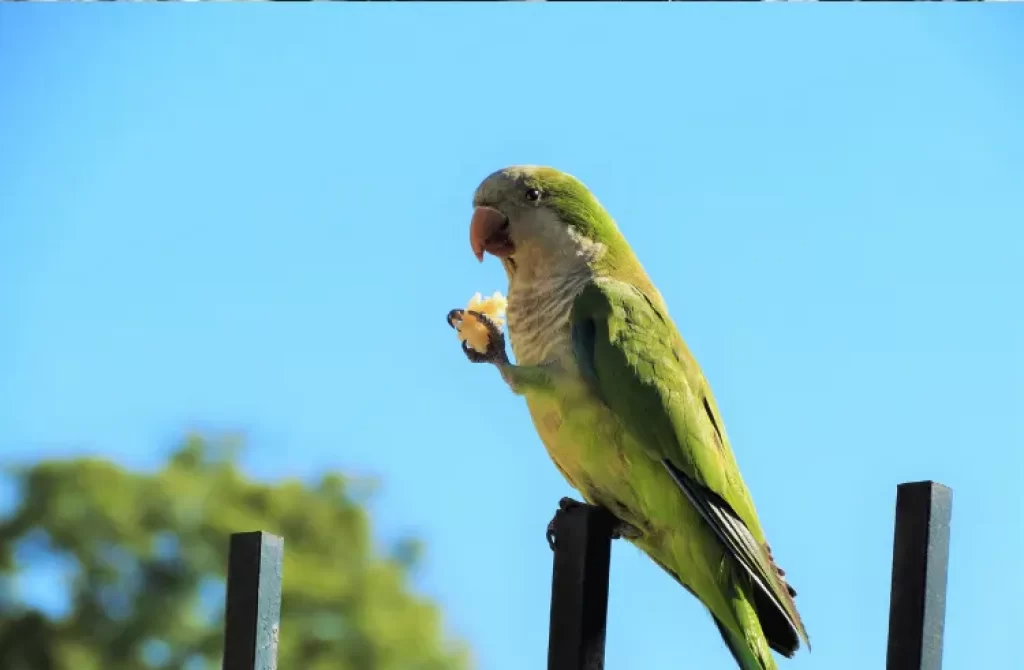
point(471, 330)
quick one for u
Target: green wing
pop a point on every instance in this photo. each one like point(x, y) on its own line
point(633, 356)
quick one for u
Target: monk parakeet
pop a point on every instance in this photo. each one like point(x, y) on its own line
point(621, 405)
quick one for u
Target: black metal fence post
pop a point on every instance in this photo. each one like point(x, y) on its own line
point(920, 560)
point(253, 611)
point(579, 588)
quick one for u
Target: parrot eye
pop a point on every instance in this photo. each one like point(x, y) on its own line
point(533, 195)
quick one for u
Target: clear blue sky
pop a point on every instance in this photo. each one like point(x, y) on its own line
point(255, 217)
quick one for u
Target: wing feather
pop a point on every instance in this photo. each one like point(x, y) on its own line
point(634, 358)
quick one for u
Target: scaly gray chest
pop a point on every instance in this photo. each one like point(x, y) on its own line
point(538, 318)
point(581, 434)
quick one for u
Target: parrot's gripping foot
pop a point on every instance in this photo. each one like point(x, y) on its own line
point(564, 505)
point(495, 341)
point(620, 529)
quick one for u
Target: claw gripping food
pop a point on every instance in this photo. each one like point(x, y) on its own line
point(471, 330)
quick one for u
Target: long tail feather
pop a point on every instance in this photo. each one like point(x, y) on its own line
point(745, 658)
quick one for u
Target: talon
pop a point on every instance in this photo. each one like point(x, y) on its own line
point(495, 342)
point(473, 355)
point(454, 316)
point(563, 505)
point(492, 328)
point(495, 339)
point(568, 503)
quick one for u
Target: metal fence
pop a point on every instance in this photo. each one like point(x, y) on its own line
point(579, 587)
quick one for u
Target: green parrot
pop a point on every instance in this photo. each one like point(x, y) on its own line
point(621, 405)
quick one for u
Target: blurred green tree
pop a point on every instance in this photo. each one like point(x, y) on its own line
point(149, 556)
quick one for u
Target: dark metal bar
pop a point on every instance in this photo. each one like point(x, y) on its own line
point(579, 588)
point(920, 560)
point(253, 612)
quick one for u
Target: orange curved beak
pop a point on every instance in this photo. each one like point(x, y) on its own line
point(488, 232)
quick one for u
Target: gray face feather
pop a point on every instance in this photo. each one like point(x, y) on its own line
point(549, 267)
point(546, 247)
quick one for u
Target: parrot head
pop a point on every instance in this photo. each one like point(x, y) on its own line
point(538, 218)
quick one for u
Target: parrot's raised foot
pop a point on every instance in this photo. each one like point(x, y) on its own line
point(495, 338)
point(620, 529)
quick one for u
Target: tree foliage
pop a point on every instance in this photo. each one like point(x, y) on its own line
point(149, 552)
